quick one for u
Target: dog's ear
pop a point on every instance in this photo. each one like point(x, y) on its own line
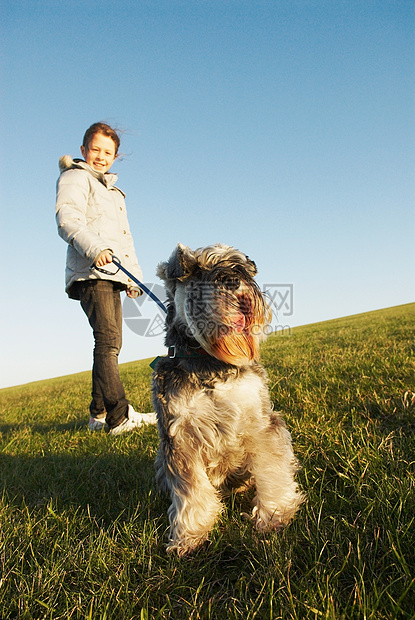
point(179, 266)
point(186, 258)
point(251, 267)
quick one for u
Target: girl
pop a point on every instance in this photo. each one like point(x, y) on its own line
point(92, 218)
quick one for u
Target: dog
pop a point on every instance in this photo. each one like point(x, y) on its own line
point(217, 430)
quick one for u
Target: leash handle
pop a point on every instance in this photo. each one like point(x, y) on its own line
point(140, 285)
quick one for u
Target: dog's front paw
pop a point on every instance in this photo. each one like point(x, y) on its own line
point(266, 520)
point(185, 546)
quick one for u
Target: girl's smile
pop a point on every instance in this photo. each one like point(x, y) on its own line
point(100, 152)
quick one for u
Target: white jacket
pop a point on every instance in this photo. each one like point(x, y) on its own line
point(91, 217)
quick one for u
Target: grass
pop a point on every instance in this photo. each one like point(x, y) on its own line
point(82, 527)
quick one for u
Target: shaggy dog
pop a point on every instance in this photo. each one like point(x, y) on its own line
point(218, 432)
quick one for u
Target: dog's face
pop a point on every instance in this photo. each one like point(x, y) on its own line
point(214, 299)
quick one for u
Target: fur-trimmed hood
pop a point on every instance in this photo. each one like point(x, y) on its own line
point(109, 179)
point(66, 162)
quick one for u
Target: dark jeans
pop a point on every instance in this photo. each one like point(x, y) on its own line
point(101, 302)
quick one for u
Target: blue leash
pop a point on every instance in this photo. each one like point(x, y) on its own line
point(142, 286)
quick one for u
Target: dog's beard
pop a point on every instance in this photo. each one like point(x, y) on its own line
point(228, 324)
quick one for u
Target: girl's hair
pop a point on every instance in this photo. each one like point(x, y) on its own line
point(106, 130)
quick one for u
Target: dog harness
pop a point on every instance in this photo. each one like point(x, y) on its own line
point(173, 352)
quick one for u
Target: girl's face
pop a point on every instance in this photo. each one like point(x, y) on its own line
point(100, 152)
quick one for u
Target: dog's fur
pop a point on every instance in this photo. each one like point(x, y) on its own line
point(217, 429)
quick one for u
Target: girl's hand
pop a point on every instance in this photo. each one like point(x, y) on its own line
point(103, 259)
point(132, 292)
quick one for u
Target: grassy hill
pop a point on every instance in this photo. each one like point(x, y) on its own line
point(82, 527)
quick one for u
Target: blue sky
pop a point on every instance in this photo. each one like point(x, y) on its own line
point(284, 128)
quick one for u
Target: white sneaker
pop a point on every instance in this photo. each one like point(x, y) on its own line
point(97, 423)
point(149, 418)
point(134, 420)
